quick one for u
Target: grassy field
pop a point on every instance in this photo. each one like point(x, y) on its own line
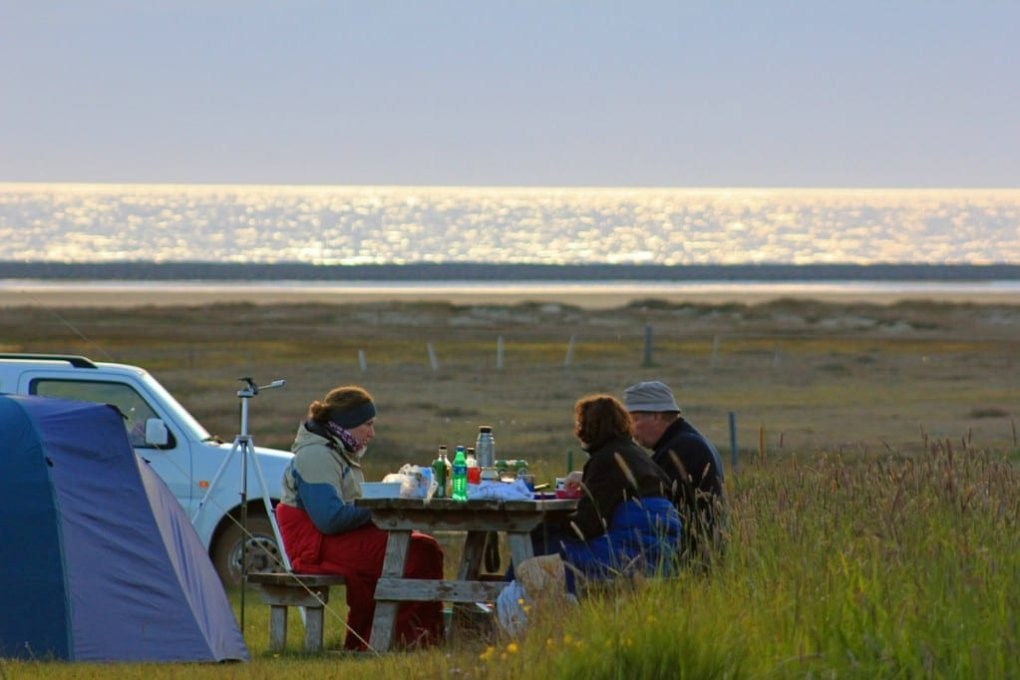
point(858, 565)
point(811, 376)
point(875, 504)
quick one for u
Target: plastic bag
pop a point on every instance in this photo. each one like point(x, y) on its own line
point(415, 481)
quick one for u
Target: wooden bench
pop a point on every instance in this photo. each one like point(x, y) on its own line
point(281, 590)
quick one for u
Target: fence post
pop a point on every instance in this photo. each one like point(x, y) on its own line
point(499, 353)
point(569, 358)
point(733, 440)
point(761, 444)
point(433, 361)
point(648, 344)
point(362, 362)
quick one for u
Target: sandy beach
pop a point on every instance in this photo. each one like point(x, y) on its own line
point(17, 293)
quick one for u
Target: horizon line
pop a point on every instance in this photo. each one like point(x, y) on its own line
point(509, 187)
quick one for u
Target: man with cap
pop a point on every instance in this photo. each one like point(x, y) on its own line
point(689, 459)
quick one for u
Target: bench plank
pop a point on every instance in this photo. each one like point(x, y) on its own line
point(421, 590)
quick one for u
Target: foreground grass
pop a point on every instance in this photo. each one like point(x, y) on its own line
point(837, 566)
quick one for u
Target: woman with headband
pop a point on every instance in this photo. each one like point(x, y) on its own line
point(324, 532)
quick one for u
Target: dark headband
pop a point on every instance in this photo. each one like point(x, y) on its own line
point(352, 417)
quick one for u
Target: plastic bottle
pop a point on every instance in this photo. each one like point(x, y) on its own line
point(523, 474)
point(474, 473)
point(459, 476)
point(449, 475)
point(439, 472)
point(485, 447)
point(522, 467)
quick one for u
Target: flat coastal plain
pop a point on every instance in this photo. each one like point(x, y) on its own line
point(762, 376)
point(17, 293)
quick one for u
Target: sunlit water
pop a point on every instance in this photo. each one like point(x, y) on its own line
point(357, 225)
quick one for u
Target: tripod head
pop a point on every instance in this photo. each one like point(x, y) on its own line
point(252, 388)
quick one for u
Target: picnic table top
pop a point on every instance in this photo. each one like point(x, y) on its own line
point(474, 504)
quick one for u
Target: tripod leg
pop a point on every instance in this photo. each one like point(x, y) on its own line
point(238, 443)
point(267, 503)
point(264, 492)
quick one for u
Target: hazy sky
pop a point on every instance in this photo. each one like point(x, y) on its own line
point(897, 93)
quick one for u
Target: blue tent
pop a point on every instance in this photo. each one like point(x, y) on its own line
point(99, 561)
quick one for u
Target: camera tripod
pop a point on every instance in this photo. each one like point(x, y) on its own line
point(244, 444)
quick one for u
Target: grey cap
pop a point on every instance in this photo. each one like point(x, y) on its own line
point(652, 395)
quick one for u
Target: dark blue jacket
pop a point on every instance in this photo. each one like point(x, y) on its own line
point(624, 521)
point(644, 537)
point(696, 474)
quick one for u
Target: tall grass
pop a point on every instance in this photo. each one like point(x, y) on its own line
point(863, 567)
point(835, 566)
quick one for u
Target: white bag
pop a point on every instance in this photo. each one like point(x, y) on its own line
point(415, 481)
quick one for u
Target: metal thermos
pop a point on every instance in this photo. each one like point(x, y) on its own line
point(485, 447)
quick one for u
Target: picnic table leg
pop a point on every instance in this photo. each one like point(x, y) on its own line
point(520, 547)
point(469, 569)
point(471, 558)
point(385, 619)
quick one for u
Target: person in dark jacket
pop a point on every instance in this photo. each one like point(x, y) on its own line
point(689, 459)
point(625, 521)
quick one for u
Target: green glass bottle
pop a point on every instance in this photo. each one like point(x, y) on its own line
point(439, 473)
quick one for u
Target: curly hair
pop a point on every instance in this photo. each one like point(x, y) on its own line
point(599, 418)
point(338, 399)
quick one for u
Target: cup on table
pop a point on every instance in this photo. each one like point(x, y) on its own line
point(565, 491)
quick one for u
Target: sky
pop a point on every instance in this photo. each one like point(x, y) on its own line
point(672, 93)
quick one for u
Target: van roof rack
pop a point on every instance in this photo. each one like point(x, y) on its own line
point(75, 360)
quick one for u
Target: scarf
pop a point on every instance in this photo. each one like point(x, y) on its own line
point(345, 437)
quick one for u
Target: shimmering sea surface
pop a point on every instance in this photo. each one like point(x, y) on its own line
point(362, 225)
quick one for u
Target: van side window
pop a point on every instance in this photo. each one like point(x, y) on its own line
point(135, 409)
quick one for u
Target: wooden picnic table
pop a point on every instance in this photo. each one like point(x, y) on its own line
point(475, 518)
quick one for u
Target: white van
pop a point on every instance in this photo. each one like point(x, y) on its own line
point(177, 447)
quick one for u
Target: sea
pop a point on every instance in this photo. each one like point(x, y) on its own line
point(299, 235)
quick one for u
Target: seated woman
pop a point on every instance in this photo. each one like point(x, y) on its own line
point(625, 522)
point(624, 518)
point(323, 532)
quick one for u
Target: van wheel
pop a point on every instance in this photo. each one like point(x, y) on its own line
point(262, 551)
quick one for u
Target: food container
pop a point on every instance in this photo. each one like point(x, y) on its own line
point(380, 490)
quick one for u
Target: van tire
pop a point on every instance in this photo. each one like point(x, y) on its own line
point(262, 552)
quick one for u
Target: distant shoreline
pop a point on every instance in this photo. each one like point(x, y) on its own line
point(484, 272)
point(584, 294)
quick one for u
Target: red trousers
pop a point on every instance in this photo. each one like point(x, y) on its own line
point(358, 556)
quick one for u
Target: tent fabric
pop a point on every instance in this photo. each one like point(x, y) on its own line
point(100, 561)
